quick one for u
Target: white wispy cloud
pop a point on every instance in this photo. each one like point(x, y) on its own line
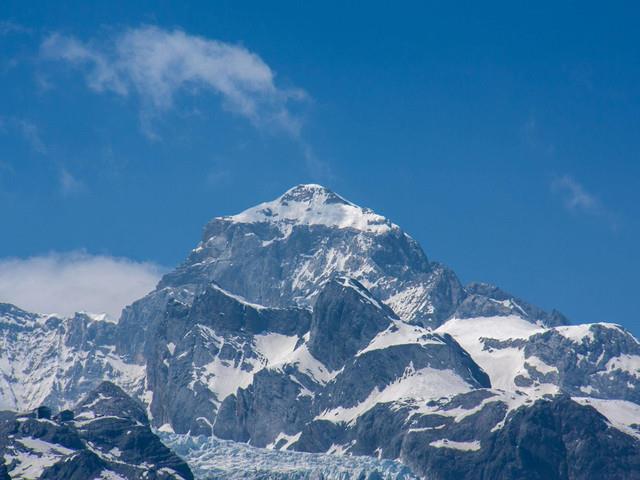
point(577, 199)
point(70, 185)
point(64, 283)
point(534, 137)
point(31, 134)
point(156, 64)
point(26, 129)
point(575, 196)
point(9, 27)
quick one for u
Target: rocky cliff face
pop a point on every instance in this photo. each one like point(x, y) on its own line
point(56, 361)
point(356, 355)
point(311, 324)
point(107, 435)
point(203, 352)
point(484, 300)
point(554, 438)
point(280, 253)
point(598, 360)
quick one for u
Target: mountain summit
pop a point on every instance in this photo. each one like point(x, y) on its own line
point(281, 253)
point(309, 323)
point(312, 204)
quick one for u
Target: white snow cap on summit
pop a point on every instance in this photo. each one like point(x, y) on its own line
point(313, 204)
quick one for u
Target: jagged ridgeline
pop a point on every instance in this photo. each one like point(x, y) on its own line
point(310, 324)
point(105, 436)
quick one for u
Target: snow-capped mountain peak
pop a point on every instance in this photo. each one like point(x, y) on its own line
point(297, 325)
point(308, 236)
point(312, 204)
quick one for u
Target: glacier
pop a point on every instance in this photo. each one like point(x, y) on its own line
point(211, 458)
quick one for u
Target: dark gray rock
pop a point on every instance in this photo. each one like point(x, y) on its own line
point(271, 405)
point(485, 300)
point(109, 400)
point(4, 472)
point(287, 402)
point(81, 465)
point(186, 340)
point(593, 366)
point(110, 434)
point(553, 439)
point(345, 319)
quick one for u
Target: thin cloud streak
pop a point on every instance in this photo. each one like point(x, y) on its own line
point(575, 196)
point(8, 27)
point(28, 130)
point(31, 134)
point(155, 65)
point(70, 185)
point(576, 199)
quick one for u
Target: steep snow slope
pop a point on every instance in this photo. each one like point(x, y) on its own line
point(601, 360)
point(49, 360)
point(502, 365)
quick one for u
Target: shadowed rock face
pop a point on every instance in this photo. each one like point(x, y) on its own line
point(192, 348)
point(599, 362)
point(344, 321)
point(561, 439)
point(109, 400)
point(484, 300)
point(110, 435)
point(552, 439)
point(369, 358)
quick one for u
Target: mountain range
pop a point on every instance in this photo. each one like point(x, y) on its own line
point(310, 324)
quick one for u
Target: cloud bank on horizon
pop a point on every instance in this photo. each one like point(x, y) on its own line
point(65, 283)
point(156, 64)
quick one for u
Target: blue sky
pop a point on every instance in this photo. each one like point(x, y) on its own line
point(504, 139)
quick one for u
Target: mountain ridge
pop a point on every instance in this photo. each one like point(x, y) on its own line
point(316, 242)
point(318, 336)
point(106, 435)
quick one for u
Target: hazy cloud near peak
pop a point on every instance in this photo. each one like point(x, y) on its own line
point(155, 64)
point(64, 283)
